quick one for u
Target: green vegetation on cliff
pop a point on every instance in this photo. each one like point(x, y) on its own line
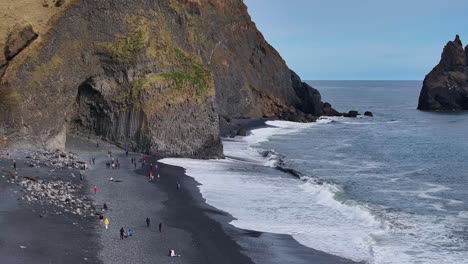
point(195, 73)
point(127, 48)
point(191, 81)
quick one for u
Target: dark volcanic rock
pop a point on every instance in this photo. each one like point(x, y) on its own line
point(154, 75)
point(446, 86)
point(242, 132)
point(351, 113)
point(18, 39)
point(369, 113)
point(311, 100)
point(329, 111)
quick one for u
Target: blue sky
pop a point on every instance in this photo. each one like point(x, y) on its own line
point(360, 39)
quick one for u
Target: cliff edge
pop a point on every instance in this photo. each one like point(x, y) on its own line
point(445, 88)
point(154, 75)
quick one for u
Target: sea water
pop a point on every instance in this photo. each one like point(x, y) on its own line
point(387, 189)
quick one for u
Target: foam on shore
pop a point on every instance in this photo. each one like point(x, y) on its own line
point(312, 210)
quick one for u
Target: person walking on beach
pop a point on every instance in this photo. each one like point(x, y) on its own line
point(160, 227)
point(95, 189)
point(94, 160)
point(134, 164)
point(14, 165)
point(105, 207)
point(122, 231)
point(147, 222)
point(106, 223)
point(178, 186)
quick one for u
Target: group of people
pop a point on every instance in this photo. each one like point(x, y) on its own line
point(114, 163)
point(101, 215)
point(124, 234)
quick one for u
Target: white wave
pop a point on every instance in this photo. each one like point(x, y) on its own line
point(420, 239)
point(429, 193)
point(274, 203)
point(463, 214)
point(277, 127)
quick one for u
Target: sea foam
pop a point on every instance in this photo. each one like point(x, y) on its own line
point(247, 186)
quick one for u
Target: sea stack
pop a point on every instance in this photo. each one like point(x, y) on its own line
point(445, 88)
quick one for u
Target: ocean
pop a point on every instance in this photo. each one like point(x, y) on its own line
point(392, 188)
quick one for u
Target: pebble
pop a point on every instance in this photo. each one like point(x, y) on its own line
point(54, 159)
point(58, 193)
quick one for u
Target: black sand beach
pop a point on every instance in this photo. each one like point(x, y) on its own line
point(41, 233)
point(197, 231)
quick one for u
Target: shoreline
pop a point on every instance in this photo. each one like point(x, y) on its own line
point(260, 247)
point(198, 231)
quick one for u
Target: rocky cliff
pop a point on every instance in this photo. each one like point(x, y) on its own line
point(150, 74)
point(446, 86)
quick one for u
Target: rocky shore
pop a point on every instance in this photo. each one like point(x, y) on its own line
point(56, 159)
point(60, 194)
point(45, 211)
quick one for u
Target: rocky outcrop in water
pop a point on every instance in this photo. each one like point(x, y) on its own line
point(446, 86)
point(153, 75)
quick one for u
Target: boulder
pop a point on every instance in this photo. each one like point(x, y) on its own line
point(19, 38)
point(329, 111)
point(368, 113)
point(351, 113)
point(242, 132)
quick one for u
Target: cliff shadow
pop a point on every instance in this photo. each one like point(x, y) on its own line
point(95, 114)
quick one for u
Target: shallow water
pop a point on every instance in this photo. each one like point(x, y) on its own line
point(388, 189)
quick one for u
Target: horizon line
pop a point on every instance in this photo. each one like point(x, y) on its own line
point(360, 80)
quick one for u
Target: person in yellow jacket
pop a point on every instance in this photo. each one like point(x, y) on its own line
point(106, 223)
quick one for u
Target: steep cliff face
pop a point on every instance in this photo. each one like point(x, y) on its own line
point(446, 86)
point(150, 74)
